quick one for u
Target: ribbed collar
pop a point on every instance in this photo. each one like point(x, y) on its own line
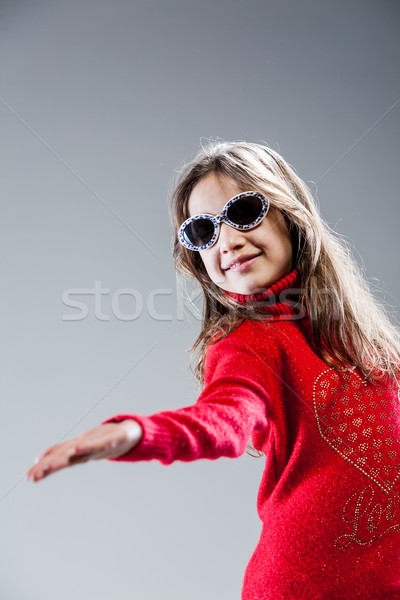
point(281, 301)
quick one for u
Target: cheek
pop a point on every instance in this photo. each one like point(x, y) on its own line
point(210, 263)
point(280, 241)
point(286, 244)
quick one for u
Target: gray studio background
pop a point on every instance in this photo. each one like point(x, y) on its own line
point(100, 102)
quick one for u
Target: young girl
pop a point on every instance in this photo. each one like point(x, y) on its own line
point(297, 355)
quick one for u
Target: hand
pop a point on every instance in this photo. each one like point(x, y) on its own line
point(104, 441)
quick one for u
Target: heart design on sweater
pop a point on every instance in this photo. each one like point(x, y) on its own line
point(361, 422)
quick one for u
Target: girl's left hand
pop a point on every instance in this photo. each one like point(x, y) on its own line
point(104, 441)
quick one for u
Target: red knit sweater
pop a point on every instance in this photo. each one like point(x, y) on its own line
point(329, 495)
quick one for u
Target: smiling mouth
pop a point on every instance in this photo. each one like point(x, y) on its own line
point(243, 263)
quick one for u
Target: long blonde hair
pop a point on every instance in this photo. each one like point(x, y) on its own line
point(350, 326)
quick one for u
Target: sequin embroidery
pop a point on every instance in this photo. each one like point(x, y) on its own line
point(360, 422)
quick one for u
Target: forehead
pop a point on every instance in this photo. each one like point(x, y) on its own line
point(211, 194)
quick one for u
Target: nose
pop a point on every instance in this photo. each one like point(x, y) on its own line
point(230, 238)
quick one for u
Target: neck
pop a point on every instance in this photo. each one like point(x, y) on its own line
point(281, 300)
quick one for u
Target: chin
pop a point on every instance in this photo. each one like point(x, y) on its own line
point(256, 287)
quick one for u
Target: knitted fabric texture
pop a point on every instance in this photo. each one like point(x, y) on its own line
point(329, 495)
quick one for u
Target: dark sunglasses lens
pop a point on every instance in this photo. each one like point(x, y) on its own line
point(199, 232)
point(245, 210)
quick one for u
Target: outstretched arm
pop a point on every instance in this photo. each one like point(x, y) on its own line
point(232, 407)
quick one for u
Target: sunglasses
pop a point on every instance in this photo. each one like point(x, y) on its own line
point(244, 211)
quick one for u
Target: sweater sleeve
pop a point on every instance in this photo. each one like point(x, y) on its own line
point(231, 407)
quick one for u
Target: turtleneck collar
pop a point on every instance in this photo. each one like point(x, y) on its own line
point(281, 301)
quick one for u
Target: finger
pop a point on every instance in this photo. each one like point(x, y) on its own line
point(56, 448)
point(43, 454)
point(58, 458)
point(54, 459)
point(37, 473)
point(56, 463)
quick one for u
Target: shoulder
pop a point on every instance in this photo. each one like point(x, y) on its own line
point(248, 346)
point(269, 340)
point(246, 335)
point(246, 331)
